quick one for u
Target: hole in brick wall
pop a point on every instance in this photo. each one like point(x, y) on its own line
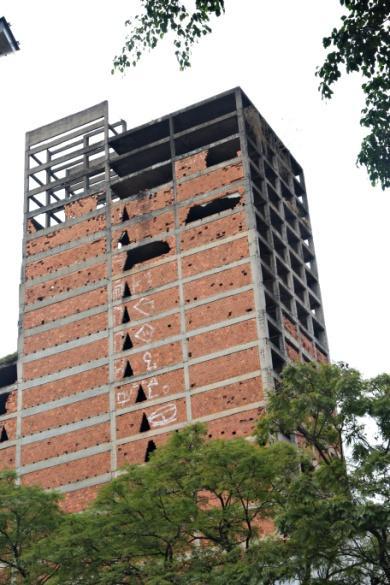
point(8, 373)
point(212, 207)
point(141, 396)
point(125, 215)
point(3, 435)
point(125, 316)
point(145, 252)
point(222, 152)
point(149, 450)
point(128, 371)
point(36, 224)
point(126, 291)
point(124, 240)
point(3, 402)
point(127, 344)
point(145, 426)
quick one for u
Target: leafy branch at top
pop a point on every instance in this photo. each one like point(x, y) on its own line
point(362, 44)
point(158, 18)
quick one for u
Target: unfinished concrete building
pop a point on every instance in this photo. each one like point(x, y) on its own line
point(168, 275)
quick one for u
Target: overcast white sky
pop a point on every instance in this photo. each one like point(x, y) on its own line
point(270, 49)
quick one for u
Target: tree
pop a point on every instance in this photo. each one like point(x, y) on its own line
point(160, 17)
point(293, 506)
point(360, 44)
point(28, 516)
point(336, 514)
point(192, 511)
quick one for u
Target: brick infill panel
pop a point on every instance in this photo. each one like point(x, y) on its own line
point(223, 367)
point(66, 443)
point(68, 386)
point(65, 308)
point(64, 259)
point(66, 333)
point(70, 472)
point(220, 310)
point(65, 359)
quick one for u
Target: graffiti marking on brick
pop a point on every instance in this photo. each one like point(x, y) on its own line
point(124, 396)
point(148, 360)
point(163, 416)
point(144, 306)
point(117, 292)
point(145, 333)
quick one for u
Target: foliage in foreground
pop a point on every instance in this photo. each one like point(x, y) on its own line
point(361, 43)
point(200, 511)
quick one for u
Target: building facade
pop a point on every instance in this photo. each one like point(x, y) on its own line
point(168, 275)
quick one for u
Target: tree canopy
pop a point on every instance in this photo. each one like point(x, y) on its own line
point(291, 504)
point(361, 43)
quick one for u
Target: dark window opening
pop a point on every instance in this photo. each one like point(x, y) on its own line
point(285, 297)
point(311, 282)
point(273, 196)
point(222, 152)
point(126, 291)
point(259, 202)
point(276, 221)
point(265, 254)
point(257, 178)
point(270, 173)
point(128, 373)
point(275, 336)
point(279, 246)
point(125, 215)
point(145, 426)
point(262, 227)
point(277, 362)
point(212, 207)
point(299, 290)
point(125, 316)
point(319, 331)
point(127, 344)
point(282, 272)
point(141, 396)
point(8, 373)
point(145, 253)
point(296, 265)
point(302, 316)
point(271, 308)
point(36, 224)
point(124, 240)
point(3, 402)
point(3, 436)
point(205, 112)
point(268, 280)
point(206, 135)
point(149, 450)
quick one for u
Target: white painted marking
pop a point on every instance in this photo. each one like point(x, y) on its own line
point(163, 415)
point(144, 306)
point(145, 333)
point(147, 357)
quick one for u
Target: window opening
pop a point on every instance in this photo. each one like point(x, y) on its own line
point(125, 316)
point(149, 450)
point(3, 402)
point(128, 373)
point(141, 396)
point(124, 240)
point(145, 253)
point(125, 215)
point(145, 426)
point(126, 291)
point(3, 436)
point(212, 207)
point(127, 344)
